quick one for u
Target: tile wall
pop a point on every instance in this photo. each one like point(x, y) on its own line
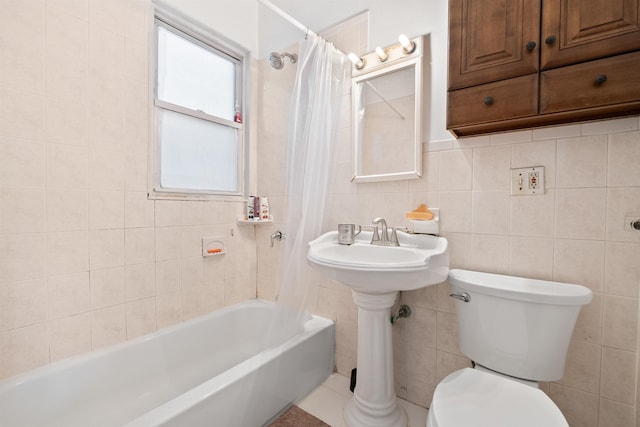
point(86, 260)
point(572, 233)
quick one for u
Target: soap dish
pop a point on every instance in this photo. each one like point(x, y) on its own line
point(431, 226)
point(212, 246)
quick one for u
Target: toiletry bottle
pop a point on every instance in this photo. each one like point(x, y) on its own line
point(256, 208)
point(264, 208)
point(250, 210)
point(238, 116)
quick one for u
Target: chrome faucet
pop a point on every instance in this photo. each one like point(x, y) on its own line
point(277, 235)
point(383, 239)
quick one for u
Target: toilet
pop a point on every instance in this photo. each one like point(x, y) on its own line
point(517, 333)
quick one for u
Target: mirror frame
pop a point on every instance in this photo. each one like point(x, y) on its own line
point(398, 59)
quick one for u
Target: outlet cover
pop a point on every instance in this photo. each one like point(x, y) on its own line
point(527, 181)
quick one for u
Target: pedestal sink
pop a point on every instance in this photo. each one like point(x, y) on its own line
point(376, 274)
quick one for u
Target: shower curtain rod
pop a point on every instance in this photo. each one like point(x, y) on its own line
point(286, 16)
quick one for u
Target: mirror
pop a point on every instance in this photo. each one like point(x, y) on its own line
point(387, 112)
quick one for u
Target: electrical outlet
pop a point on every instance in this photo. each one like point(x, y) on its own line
point(527, 181)
point(533, 180)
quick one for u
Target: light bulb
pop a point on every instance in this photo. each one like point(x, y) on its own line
point(357, 61)
point(407, 44)
point(382, 54)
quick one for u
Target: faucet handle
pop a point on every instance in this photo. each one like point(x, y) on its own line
point(375, 236)
point(394, 235)
point(374, 227)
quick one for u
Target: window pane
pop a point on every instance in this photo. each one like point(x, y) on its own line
point(194, 77)
point(197, 154)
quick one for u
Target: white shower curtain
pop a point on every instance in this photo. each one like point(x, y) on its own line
point(314, 117)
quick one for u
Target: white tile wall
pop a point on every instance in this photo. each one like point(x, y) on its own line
point(86, 260)
point(491, 168)
point(624, 158)
point(69, 336)
point(531, 257)
point(581, 261)
point(107, 287)
point(531, 216)
point(581, 162)
point(455, 169)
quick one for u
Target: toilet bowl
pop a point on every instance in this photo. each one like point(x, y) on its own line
point(517, 332)
point(472, 398)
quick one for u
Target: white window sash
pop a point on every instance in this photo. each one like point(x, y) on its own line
point(197, 113)
point(182, 26)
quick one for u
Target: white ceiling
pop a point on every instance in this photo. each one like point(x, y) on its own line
point(257, 28)
point(321, 14)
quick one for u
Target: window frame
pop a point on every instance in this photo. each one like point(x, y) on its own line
point(182, 26)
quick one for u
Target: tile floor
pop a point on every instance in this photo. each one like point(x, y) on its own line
point(326, 403)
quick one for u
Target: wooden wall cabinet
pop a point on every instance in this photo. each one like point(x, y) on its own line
point(516, 64)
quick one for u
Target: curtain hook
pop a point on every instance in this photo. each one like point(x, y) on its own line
point(306, 34)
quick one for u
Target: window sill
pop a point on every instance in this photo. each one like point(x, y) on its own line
point(156, 195)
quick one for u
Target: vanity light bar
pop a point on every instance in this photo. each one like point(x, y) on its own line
point(405, 49)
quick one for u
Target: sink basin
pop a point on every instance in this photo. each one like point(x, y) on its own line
point(420, 260)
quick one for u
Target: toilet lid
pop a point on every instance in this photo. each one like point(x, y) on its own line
point(472, 398)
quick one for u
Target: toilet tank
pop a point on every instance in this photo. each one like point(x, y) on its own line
point(516, 326)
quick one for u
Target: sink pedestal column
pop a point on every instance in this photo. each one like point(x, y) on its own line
point(374, 402)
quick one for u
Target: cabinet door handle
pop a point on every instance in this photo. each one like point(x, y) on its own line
point(531, 45)
point(488, 100)
point(601, 78)
point(550, 40)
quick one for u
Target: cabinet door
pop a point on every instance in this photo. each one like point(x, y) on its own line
point(575, 31)
point(491, 40)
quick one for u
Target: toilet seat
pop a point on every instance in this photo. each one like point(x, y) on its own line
point(472, 398)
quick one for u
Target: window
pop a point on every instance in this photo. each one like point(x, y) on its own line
point(198, 132)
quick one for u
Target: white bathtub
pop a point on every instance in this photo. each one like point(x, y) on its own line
point(216, 370)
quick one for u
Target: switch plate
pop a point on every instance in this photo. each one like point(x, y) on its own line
point(527, 181)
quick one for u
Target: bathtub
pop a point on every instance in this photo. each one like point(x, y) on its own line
point(223, 369)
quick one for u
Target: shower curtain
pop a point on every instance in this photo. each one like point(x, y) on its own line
point(314, 117)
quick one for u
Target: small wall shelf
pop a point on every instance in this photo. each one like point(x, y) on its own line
point(426, 227)
point(242, 221)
